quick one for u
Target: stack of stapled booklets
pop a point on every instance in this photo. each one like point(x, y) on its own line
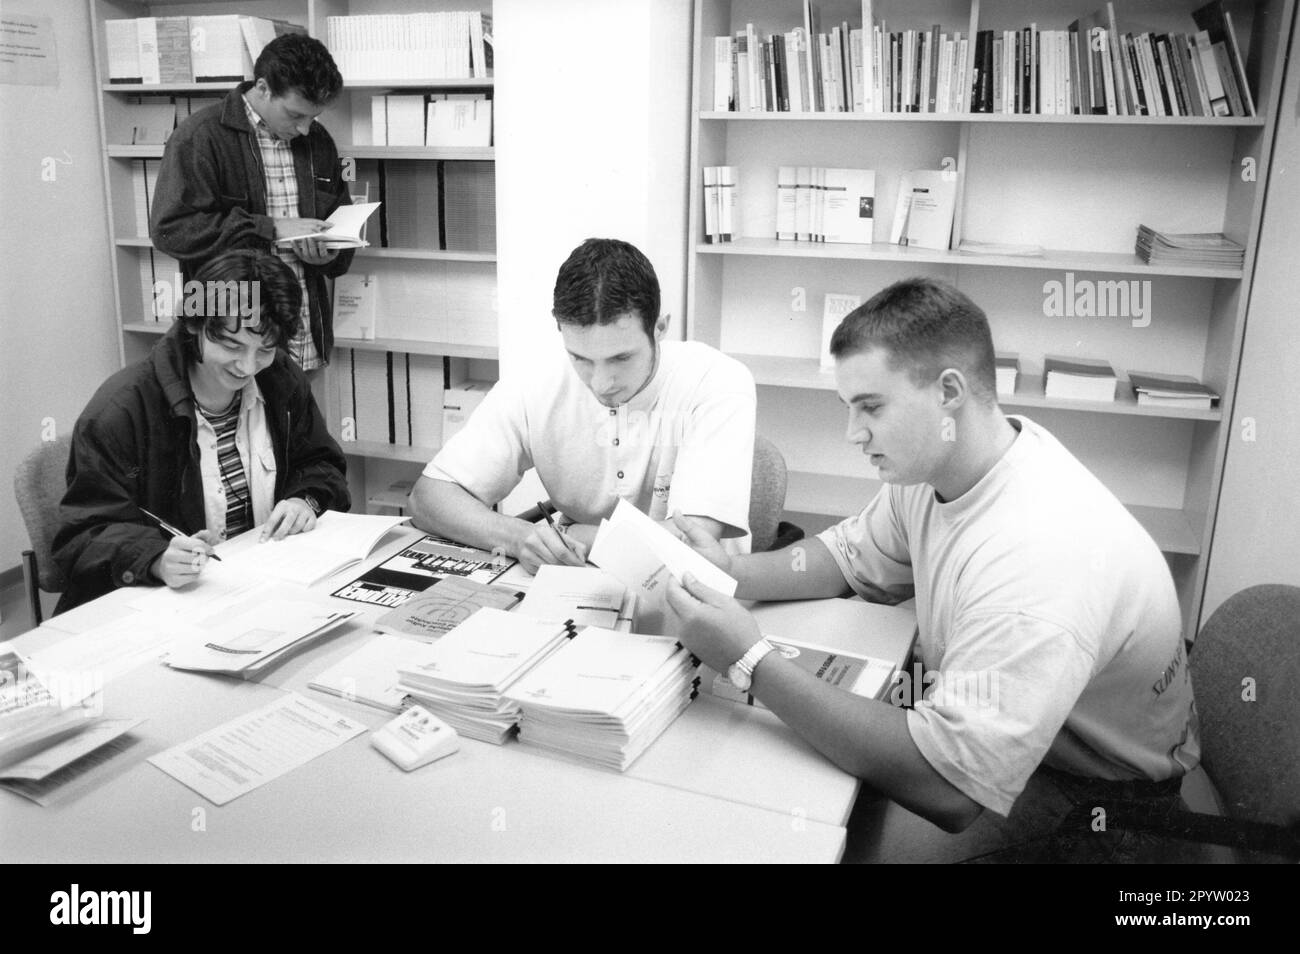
point(464, 677)
point(605, 696)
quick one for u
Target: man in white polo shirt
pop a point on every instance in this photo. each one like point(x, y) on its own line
point(1057, 680)
point(619, 414)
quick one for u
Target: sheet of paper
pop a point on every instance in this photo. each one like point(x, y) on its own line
point(248, 752)
point(641, 554)
point(369, 675)
point(223, 580)
point(67, 751)
point(83, 664)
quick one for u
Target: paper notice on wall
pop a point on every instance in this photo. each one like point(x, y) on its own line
point(27, 54)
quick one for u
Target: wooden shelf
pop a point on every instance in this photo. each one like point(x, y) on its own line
point(474, 153)
point(1007, 118)
point(1051, 259)
point(781, 372)
point(410, 346)
point(381, 451)
point(838, 496)
point(426, 254)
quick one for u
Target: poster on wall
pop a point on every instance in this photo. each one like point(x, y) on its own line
point(27, 56)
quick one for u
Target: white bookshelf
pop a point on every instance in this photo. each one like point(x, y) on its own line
point(1075, 185)
point(444, 295)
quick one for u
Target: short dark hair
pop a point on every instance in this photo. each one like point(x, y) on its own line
point(295, 61)
point(604, 279)
point(923, 325)
point(279, 297)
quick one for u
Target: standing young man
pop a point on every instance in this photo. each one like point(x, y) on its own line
point(1047, 615)
point(256, 168)
point(619, 414)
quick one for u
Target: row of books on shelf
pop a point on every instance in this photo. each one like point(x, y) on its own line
point(206, 49)
point(416, 46)
point(434, 119)
point(1188, 248)
point(819, 204)
point(1095, 70)
point(1088, 68)
point(408, 400)
point(420, 209)
point(1093, 379)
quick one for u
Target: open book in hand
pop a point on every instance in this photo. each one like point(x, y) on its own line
point(345, 227)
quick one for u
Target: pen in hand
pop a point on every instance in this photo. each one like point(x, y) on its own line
point(554, 526)
point(174, 531)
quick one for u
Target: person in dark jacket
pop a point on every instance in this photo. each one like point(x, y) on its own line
point(255, 168)
point(215, 432)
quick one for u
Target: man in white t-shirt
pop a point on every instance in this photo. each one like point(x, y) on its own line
point(619, 414)
point(1047, 616)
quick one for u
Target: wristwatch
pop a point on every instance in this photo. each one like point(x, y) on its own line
point(311, 502)
point(741, 672)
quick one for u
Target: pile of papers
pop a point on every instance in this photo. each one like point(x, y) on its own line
point(1188, 248)
point(370, 674)
point(1172, 390)
point(32, 719)
point(465, 676)
point(1079, 379)
point(605, 696)
point(247, 641)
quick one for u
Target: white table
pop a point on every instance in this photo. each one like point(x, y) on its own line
point(724, 783)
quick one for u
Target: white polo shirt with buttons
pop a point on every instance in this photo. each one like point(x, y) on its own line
point(685, 442)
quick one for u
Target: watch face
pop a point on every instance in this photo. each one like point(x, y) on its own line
point(738, 677)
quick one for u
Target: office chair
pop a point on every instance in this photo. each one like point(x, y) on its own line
point(39, 483)
point(767, 500)
point(1245, 667)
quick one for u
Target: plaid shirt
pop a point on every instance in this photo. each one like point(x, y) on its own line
point(282, 202)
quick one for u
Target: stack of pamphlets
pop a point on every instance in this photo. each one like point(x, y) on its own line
point(605, 696)
point(1078, 379)
point(1172, 390)
point(1188, 248)
point(463, 678)
point(583, 595)
point(248, 641)
point(32, 719)
point(370, 675)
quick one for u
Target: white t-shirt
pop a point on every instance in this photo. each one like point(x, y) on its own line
point(685, 442)
point(1049, 614)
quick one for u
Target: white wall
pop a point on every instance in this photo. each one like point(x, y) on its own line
point(1257, 536)
point(56, 314)
point(598, 93)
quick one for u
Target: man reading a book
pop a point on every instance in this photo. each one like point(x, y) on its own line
point(1048, 620)
point(620, 413)
point(256, 168)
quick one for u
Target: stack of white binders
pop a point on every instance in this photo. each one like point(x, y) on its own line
point(605, 696)
point(464, 678)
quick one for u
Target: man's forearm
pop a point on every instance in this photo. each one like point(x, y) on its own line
point(805, 570)
point(441, 507)
point(866, 738)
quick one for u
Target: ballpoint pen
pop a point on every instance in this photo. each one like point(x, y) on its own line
point(173, 531)
point(554, 526)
